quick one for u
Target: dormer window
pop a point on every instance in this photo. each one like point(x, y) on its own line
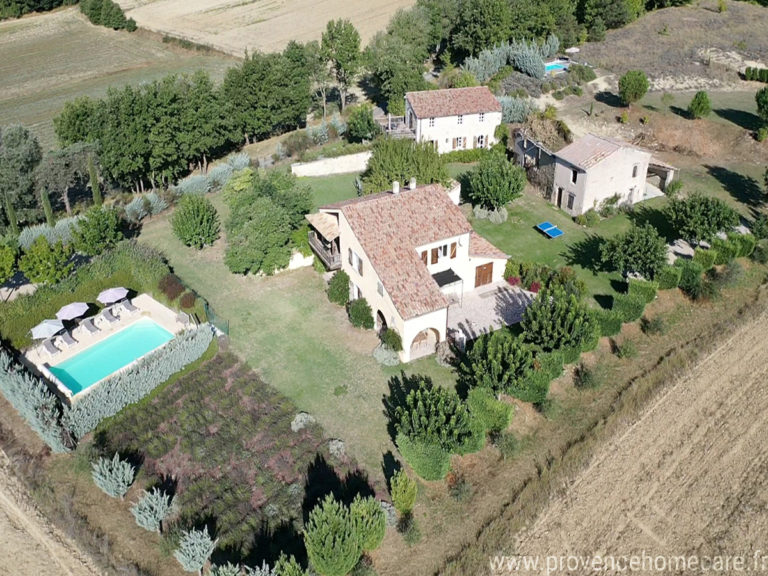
point(460, 118)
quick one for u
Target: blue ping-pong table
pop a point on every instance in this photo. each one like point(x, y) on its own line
point(549, 229)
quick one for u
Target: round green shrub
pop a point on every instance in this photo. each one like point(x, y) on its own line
point(360, 314)
point(195, 221)
point(392, 340)
point(429, 461)
point(493, 414)
point(338, 288)
point(629, 307)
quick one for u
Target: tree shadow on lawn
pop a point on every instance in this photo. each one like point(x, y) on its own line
point(585, 253)
point(609, 99)
point(682, 112)
point(743, 189)
point(322, 479)
point(741, 118)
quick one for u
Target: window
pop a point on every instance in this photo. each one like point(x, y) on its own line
point(453, 249)
point(482, 117)
point(458, 143)
point(634, 171)
point(431, 122)
point(380, 289)
point(356, 294)
point(460, 118)
point(444, 251)
point(359, 265)
point(481, 141)
point(351, 257)
point(574, 175)
point(424, 257)
point(571, 198)
point(355, 261)
point(434, 255)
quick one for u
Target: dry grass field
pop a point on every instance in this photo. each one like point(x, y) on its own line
point(234, 26)
point(691, 470)
point(48, 59)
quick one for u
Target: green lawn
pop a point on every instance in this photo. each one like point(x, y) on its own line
point(735, 108)
point(330, 189)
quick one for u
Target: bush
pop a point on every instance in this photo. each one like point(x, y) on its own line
point(705, 258)
point(188, 300)
point(360, 315)
point(410, 530)
point(760, 254)
point(496, 181)
point(403, 490)
point(652, 326)
point(516, 109)
point(239, 161)
point(762, 134)
point(136, 210)
point(45, 263)
point(581, 74)
point(195, 221)
point(610, 322)
point(498, 362)
point(507, 445)
point(429, 461)
point(156, 203)
point(626, 349)
point(556, 319)
point(643, 289)
point(297, 143)
point(136, 381)
point(690, 278)
point(114, 476)
point(640, 250)
point(152, 509)
point(171, 286)
point(195, 185)
point(370, 522)
point(219, 175)
point(361, 125)
point(195, 547)
point(392, 340)
point(700, 105)
point(8, 256)
point(745, 244)
point(588, 376)
point(458, 487)
point(98, 230)
point(547, 366)
point(725, 251)
point(61, 231)
point(493, 414)
point(589, 219)
point(668, 277)
point(700, 217)
point(33, 400)
point(338, 288)
point(331, 538)
point(629, 307)
point(632, 86)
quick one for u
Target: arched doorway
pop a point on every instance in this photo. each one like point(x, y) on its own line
point(424, 343)
point(381, 322)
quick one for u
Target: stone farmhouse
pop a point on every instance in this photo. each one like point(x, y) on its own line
point(411, 254)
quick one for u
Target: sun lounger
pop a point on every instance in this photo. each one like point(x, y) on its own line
point(49, 347)
point(108, 316)
point(67, 339)
point(128, 307)
point(89, 326)
point(549, 230)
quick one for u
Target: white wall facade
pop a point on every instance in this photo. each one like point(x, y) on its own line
point(623, 173)
point(449, 133)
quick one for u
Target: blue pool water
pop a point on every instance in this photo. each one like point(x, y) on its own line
point(555, 66)
point(110, 355)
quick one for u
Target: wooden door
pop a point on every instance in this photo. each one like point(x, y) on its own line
point(483, 274)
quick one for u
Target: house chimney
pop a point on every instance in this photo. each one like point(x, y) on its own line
point(395, 187)
point(412, 184)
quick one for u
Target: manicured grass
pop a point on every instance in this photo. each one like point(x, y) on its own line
point(330, 189)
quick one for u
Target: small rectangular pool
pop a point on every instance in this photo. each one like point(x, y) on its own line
point(108, 356)
point(556, 66)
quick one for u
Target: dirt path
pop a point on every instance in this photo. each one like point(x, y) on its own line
point(29, 545)
point(686, 478)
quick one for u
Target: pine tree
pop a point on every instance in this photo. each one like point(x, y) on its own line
point(403, 490)
point(114, 476)
point(370, 520)
point(45, 200)
point(195, 547)
point(498, 361)
point(287, 566)
point(331, 538)
point(557, 320)
point(152, 509)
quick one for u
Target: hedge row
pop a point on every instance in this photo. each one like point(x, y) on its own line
point(124, 388)
point(756, 74)
point(643, 289)
point(629, 307)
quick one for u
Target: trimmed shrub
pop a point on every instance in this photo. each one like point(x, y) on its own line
point(392, 340)
point(403, 490)
point(493, 414)
point(429, 461)
point(705, 258)
point(188, 300)
point(468, 156)
point(360, 315)
point(33, 400)
point(643, 289)
point(338, 288)
point(114, 476)
point(690, 278)
point(610, 322)
point(668, 277)
point(135, 382)
point(629, 307)
point(725, 251)
point(152, 509)
point(195, 221)
point(745, 243)
point(171, 286)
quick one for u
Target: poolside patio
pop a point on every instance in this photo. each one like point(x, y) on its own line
point(493, 306)
point(146, 306)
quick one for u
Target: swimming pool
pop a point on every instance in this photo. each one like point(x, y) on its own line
point(108, 356)
point(555, 66)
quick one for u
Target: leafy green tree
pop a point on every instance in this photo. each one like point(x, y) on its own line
point(633, 86)
point(481, 24)
point(319, 71)
point(597, 30)
point(700, 105)
point(341, 45)
point(195, 221)
point(556, 319)
point(639, 250)
point(761, 98)
point(62, 170)
point(98, 230)
point(361, 125)
point(338, 288)
point(498, 361)
point(19, 156)
point(403, 490)
point(114, 476)
point(496, 181)
point(433, 415)
point(332, 539)
point(152, 509)
point(370, 521)
point(400, 160)
point(195, 547)
point(700, 217)
point(44, 263)
point(8, 256)
point(259, 241)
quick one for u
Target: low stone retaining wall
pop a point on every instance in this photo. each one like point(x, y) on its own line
point(329, 166)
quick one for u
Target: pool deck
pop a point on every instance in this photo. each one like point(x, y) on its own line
point(147, 306)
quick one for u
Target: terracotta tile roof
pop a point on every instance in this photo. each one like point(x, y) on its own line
point(479, 246)
point(324, 223)
point(591, 149)
point(390, 227)
point(452, 102)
